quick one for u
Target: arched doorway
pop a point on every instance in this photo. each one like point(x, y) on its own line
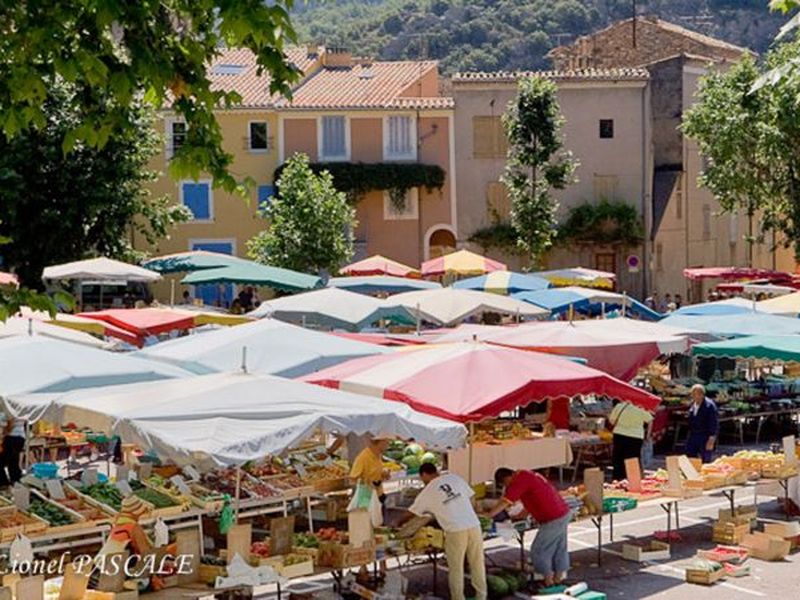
point(440, 241)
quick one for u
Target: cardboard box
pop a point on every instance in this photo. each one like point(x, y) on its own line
point(340, 556)
point(788, 531)
point(653, 550)
point(766, 547)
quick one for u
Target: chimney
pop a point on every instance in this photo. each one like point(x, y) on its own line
point(311, 50)
point(334, 56)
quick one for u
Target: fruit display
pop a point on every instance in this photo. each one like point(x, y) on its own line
point(13, 521)
point(55, 516)
point(305, 540)
point(266, 468)
point(497, 432)
point(315, 474)
point(295, 559)
point(286, 482)
point(223, 481)
point(260, 549)
point(77, 504)
point(105, 493)
point(504, 584)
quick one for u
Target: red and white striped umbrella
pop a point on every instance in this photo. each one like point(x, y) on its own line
point(472, 381)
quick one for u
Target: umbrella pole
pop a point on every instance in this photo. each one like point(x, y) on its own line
point(238, 492)
point(570, 312)
point(603, 309)
point(101, 297)
point(418, 318)
point(624, 303)
point(469, 451)
point(172, 292)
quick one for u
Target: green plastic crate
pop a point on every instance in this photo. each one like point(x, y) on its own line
point(615, 505)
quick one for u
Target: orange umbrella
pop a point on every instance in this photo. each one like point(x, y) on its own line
point(379, 265)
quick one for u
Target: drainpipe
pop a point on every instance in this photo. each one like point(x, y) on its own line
point(645, 166)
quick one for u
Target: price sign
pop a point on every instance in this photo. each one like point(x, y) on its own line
point(89, 477)
point(55, 489)
point(124, 488)
point(179, 483)
point(191, 473)
point(22, 496)
point(301, 471)
point(123, 473)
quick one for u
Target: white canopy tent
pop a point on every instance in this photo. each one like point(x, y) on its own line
point(272, 348)
point(30, 327)
point(332, 307)
point(37, 364)
point(100, 269)
point(448, 306)
point(230, 418)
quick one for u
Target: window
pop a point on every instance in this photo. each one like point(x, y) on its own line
point(606, 129)
point(605, 261)
point(196, 196)
point(176, 136)
point(213, 294)
point(265, 194)
point(498, 204)
point(334, 138)
point(605, 187)
point(488, 138)
point(399, 138)
point(408, 211)
point(706, 222)
point(257, 139)
point(678, 195)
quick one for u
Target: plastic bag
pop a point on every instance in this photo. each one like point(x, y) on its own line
point(375, 510)
point(161, 533)
point(21, 551)
point(226, 516)
point(362, 498)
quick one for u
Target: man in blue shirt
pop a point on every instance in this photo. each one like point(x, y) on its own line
point(703, 425)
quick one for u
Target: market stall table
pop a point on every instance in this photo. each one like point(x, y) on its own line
point(538, 453)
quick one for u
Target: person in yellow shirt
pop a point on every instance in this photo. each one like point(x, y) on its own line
point(630, 425)
point(368, 469)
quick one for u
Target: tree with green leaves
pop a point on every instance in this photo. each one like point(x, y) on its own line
point(310, 223)
point(537, 164)
point(115, 53)
point(57, 208)
point(749, 137)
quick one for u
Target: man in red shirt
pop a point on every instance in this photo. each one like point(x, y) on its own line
point(549, 553)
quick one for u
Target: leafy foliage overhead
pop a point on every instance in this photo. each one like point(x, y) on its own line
point(608, 222)
point(487, 35)
point(310, 223)
point(93, 201)
point(750, 139)
point(115, 52)
point(537, 163)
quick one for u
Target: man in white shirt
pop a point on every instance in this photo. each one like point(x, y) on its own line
point(448, 498)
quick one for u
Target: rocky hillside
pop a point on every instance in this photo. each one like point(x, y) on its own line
point(510, 34)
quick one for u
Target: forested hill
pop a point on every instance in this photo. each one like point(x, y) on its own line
point(510, 34)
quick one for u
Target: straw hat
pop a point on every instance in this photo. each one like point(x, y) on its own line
point(134, 507)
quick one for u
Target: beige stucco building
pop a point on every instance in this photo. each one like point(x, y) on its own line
point(607, 128)
point(343, 109)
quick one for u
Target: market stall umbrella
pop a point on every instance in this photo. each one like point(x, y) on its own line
point(29, 326)
point(462, 263)
point(615, 346)
point(79, 323)
point(8, 279)
point(471, 381)
point(448, 306)
point(578, 276)
point(748, 323)
point(503, 282)
point(187, 262)
point(231, 418)
point(729, 306)
point(381, 284)
point(38, 364)
point(251, 273)
point(143, 322)
point(272, 348)
point(784, 348)
point(785, 306)
point(593, 301)
point(733, 273)
point(333, 308)
point(379, 265)
point(100, 269)
point(381, 339)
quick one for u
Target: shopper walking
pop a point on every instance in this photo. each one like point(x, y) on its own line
point(703, 425)
point(630, 425)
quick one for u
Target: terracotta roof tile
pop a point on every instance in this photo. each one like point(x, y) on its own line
point(362, 86)
point(625, 74)
point(236, 70)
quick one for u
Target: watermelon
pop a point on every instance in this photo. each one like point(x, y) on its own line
point(429, 457)
point(411, 461)
point(498, 588)
point(415, 449)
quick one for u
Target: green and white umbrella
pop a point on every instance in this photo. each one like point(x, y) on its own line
point(250, 273)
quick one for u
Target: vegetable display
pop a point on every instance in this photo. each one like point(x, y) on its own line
point(105, 493)
point(50, 513)
point(157, 499)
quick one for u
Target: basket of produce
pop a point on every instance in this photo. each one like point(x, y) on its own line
point(704, 572)
point(162, 505)
point(14, 521)
point(725, 554)
point(326, 478)
point(104, 496)
point(210, 568)
point(91, 513)
point(59, 518)
point(296, 565)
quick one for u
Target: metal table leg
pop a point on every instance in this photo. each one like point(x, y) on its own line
point(784, 483)
point(611, 526)
point(730, 494)
point(598, 522)
point(668, 509)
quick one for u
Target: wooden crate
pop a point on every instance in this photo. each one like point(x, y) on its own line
point(341, 556)
point(208, 573)
point(331, 485)
point(300, 569)
point(704, 577)
point(30, 525)
point(774, 471)
point(653, 550)
point(78, 522)
point(727, 532)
